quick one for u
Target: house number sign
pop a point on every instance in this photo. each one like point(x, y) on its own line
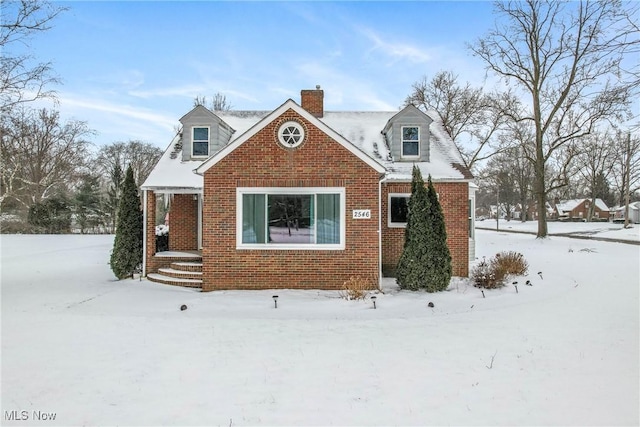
point(362, 213)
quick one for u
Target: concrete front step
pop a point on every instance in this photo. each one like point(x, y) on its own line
point(187, 266)
point(167, 280)
point(180, 274)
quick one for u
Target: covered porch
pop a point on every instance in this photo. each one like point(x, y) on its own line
point(178, 212)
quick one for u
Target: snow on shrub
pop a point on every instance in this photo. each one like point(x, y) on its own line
point(162, 230)
point(494, 273)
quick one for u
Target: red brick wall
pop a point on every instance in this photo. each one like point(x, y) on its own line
point(454, 199)
point(263, 162)
point(150, 230)
point(183, 223)
point(313, 101)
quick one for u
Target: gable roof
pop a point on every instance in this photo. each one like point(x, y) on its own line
point(198, 109)
point(358, 131)
point(569, 205)
point(288, 105)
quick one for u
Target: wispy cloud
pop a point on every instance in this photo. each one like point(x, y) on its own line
point(343, 89)
point(118, 121)
point(189, 91)
point(396, 50)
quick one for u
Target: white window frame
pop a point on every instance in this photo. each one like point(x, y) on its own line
point(472, 218)
point(193, 131)
point(402, 141)
point(240, 191)
point(395, 224)
point(286, 125)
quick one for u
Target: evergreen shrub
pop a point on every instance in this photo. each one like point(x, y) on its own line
point(126, 257)
point(425, 262)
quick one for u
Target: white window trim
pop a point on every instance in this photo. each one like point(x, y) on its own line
point(290, 190)
point(472, 218)
point(193, 129)
point(284, 126)
point(402, 143)
point(395, 224)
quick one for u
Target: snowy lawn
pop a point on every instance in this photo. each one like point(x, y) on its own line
point(606, 230)
point(94, 351)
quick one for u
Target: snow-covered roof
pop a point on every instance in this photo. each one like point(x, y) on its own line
point(173, 174)
point(569, 205)
point(362, 129)
point(291, 105)
point(634, 206)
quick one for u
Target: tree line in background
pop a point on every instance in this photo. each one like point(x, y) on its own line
point(52, 179)
point(55, 181)
point(571, 76)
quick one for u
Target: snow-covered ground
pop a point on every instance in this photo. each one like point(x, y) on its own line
point(605, 230)
point(95, 351)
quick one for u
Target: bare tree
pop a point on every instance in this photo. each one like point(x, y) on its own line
point(626, 164)
point(565, 57)
point(593, 163)
point(473, 119)
point(41, 156)
point(112, 160)
point(142, 157)
point(219, 102)
point(22, 78)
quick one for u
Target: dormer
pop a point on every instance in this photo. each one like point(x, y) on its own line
point(407, 134)
point(203, 134)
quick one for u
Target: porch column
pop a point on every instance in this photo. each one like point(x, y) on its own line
point(150, 230)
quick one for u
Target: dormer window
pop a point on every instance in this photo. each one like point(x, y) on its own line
point(410, 141)
point(200, 141)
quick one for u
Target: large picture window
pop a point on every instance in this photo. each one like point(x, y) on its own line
point(200, 141)
point(285, 218)
point(398, 209)
point(410, 141)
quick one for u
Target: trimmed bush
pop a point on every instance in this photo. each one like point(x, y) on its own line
point(356, 288)
point(494, 273)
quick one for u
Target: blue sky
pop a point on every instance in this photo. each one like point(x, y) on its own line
point(132, 69)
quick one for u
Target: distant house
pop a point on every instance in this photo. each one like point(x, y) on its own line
point(299, 197)
point(617, 213)
point(578, 210)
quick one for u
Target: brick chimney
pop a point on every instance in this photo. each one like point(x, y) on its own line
point(313, 101)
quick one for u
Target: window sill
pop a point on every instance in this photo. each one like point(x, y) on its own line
point(273, 247)
point(397, 225)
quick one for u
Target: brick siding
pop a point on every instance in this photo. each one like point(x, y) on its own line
point(183, 223)
point(454, 199)
point(262, 162)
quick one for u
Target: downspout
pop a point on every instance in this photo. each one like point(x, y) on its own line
point(380, 234)
point(144, 234)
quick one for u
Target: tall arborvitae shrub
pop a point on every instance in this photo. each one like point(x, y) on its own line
point(439, 274)
point(425, 262)
point(126, 257)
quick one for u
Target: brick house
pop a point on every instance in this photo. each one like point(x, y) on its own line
point(578, 210)
point(298, 197)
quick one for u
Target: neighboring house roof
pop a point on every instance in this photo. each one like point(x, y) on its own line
point(569, 205)
point(358, 131)
point(634, 206)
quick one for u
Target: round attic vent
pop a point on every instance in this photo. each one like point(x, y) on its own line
point(291, 134)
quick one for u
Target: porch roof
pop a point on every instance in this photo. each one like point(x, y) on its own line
point(171, 174)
